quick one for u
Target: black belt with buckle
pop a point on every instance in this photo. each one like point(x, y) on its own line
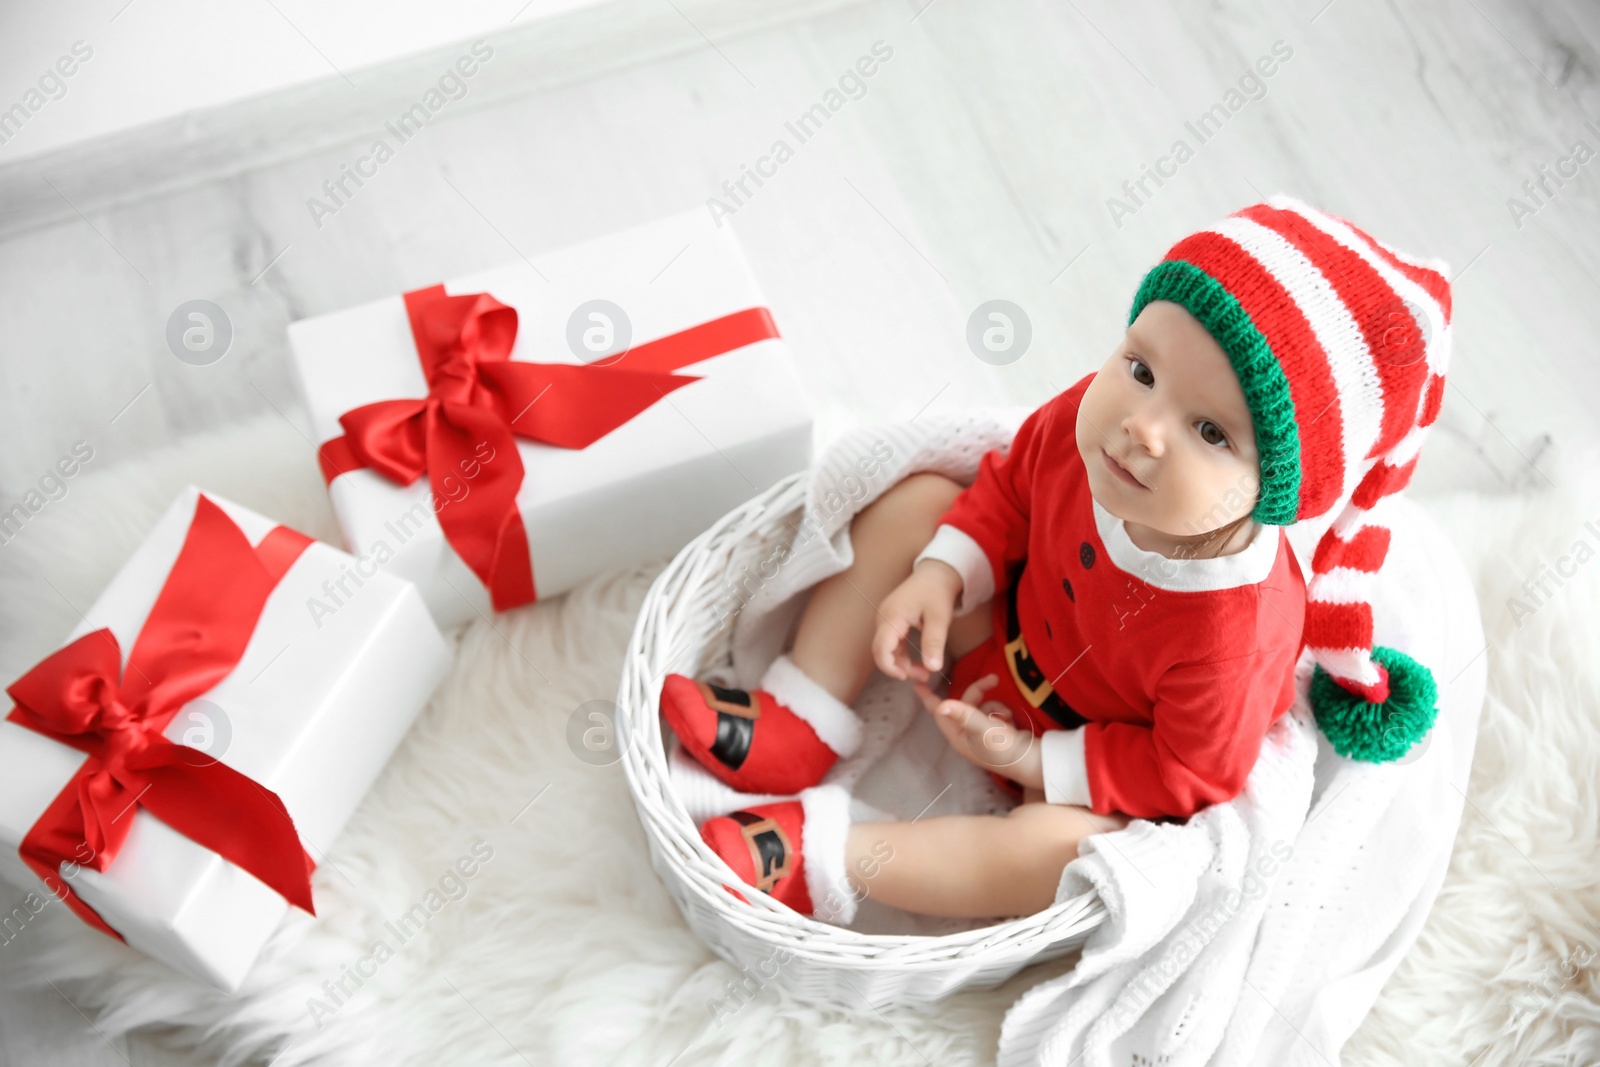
point(1030, 680)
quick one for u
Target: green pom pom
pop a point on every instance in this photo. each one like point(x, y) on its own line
point(1377, 733)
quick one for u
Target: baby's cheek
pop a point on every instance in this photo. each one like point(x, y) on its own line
point(1220, 497)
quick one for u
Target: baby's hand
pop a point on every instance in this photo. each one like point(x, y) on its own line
point(985, 735)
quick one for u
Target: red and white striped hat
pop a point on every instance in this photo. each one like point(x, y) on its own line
point(1341, 345)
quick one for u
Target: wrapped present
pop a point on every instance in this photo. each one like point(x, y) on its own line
point(173, 772)
point(503, 436)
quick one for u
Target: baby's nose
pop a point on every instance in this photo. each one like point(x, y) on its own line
point(1146, 432)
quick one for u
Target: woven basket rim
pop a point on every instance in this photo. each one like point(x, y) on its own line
point(675, 840)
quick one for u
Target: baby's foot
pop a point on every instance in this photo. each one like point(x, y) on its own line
point(781, 738)
point(763, 846)
point(793, 850)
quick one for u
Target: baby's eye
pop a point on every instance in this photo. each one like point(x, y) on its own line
point(1203, 423)
point(1136, 365)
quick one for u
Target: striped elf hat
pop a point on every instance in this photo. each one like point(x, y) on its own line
point(1341, 345)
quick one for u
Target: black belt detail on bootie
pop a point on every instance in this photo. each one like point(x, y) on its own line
point(734, 731)
point(769, 847)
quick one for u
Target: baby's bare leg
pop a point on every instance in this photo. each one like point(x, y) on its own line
point(834, 643)
point(972, 866)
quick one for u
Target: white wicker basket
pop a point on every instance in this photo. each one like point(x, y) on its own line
point(677, 631)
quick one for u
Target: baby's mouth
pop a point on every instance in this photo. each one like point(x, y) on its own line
point(1120, 471)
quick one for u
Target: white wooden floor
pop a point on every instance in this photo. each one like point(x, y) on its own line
point(977, 165)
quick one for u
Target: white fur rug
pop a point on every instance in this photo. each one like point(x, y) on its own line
point(564, 948)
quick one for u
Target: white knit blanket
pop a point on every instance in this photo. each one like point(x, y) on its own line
point(1258, 932)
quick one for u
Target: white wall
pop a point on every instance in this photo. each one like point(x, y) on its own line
point(155, 59)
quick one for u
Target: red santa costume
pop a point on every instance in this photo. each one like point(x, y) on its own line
point(1151, 680)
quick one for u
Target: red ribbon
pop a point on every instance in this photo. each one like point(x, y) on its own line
point(82, 696)
point(478, 394)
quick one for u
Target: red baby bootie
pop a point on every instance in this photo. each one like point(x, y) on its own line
point(780, 738)
point(763, 846)
point(792, 850)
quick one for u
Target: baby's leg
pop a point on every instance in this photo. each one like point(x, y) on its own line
point(972, 866)
point(833, 645)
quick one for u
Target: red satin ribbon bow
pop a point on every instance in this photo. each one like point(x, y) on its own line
point(82, 696)
point(477, 394)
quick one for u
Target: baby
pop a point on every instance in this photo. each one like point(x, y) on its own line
point(1145, 612)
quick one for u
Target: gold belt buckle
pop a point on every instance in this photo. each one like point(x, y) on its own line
point(1036, 696)
point(765, 880)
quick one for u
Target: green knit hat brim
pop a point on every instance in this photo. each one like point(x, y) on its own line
point(1266, 389)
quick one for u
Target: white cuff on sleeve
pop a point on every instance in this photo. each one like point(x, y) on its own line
point(1066, 773)
point(958, 549)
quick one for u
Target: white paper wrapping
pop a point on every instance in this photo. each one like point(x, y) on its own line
point(642, 491)
point(313, 711)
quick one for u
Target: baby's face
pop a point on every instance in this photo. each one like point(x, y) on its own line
point(1168, 406)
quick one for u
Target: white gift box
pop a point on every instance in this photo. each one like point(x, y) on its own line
point(642, 491)
point(313, 710)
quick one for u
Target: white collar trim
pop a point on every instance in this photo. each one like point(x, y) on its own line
point(1247, 567)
